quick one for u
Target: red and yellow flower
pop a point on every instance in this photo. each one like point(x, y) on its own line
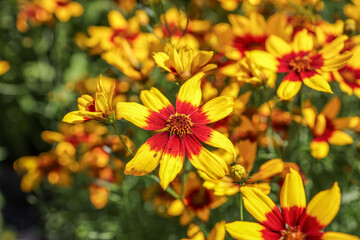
point(349, 76)
point(63, 9)
point(303, 64)
point(98, 108)
point(180, 132)
point(296, 220)
point(197, 202)
point(185, 62)
point(326, 128)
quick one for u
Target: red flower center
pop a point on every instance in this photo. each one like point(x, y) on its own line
point(300, 63)
point(198, 198)
point(292, 234)
point(179, 124)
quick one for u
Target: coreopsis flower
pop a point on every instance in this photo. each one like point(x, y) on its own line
point(349, 76)
point(326, 128)
point(217, 233)
point(181, 132)
point(32, 12)
point(180, 29)
point(251, 33)
point(134, 60)
point(98, 108)
point(185, 62)
point(197, 202)
point(47, 165)
point(296, 219)
point(63, 9)
point(303, 64)
point(4, 67)
point(104, 38)
point(247, 71)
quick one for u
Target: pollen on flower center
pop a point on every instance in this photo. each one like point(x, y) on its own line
point(292, 234)
point(299, 64)
point(179, 124)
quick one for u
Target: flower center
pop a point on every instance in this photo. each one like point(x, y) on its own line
point(292, 234)
point(179, 124)
point(198, 198)
point(299, 64)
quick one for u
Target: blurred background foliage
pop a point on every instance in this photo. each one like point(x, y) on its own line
point(38, 91)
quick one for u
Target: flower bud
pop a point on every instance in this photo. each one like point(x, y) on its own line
point(238, 173)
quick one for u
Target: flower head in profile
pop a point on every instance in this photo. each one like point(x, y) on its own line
point(98, 108)
point(185, 62)
point(181, 132)
point(296, 221)
point(303, 64)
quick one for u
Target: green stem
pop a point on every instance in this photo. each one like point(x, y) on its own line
point(241, 207)
point(121, 139)
point(169, 190)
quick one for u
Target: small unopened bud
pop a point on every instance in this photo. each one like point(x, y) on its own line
point(238, 173)
point(350, 26)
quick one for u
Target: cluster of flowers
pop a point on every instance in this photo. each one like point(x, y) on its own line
point(210, 63)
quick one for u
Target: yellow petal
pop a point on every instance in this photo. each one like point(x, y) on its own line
point(262, 208)
point(245, 230)
point(320, 126)
point(218, 231)
point(81, 116)
point(216, 109)
point(263, 59)
point(139, 115)
point(336, 62)
point(325, 205)
point(267, 170)
point(215, 139)
point(176, 208)
point(318, 83)
point(338, 236)
point(340, 138)
point(277, 46)
point(189, 96)
point(319, 149)
point(148, 156)
point(117, 20)
point(203, 160)
point(156, 101)
point(288, 89)
point(292, 192)
point(171, 161)
point(309, 116)
point(161, 58)
point(303, 41)
point(333, 49)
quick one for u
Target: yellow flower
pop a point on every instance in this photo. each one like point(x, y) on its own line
point(98, 108)
point(185, 62)
point(296, 220)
